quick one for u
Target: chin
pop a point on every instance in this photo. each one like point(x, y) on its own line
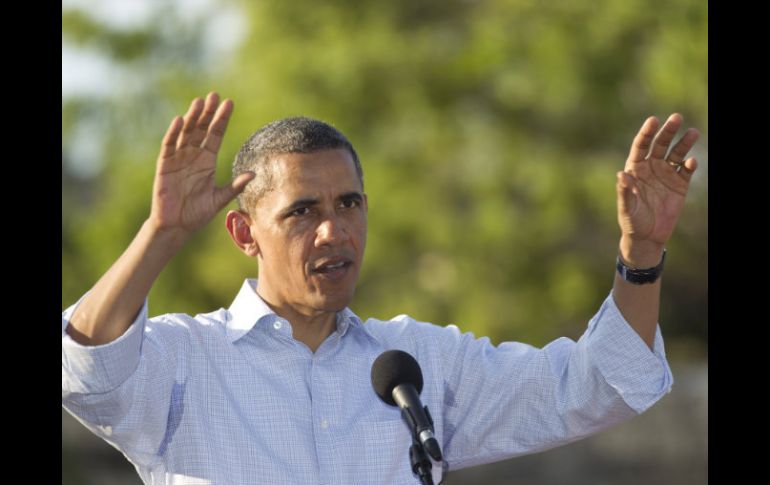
point(335, 302)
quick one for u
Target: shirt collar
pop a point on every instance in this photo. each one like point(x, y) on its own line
point(248, 309)
point(345, 319)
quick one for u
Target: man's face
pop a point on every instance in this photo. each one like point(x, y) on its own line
point(311, 232)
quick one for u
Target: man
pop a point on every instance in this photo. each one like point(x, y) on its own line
point(276, 389)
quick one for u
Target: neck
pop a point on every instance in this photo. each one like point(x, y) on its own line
point(311, 328)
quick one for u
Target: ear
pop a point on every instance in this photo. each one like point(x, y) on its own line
point(239, 227)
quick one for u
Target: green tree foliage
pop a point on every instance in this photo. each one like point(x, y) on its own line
point(490, 132)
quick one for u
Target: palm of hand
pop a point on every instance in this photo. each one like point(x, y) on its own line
point(652, 188)
point(185, 196)
point(185, 190)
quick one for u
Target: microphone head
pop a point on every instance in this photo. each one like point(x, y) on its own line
point(393, 368)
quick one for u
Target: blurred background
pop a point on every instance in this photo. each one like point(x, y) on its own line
point(490, 132)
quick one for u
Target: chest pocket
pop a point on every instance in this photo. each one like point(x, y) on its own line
point(382, 445)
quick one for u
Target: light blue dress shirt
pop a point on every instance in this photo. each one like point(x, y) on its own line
point(229, 397)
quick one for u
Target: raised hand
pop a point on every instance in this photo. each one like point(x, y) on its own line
point(653, 186)
point(185, 196)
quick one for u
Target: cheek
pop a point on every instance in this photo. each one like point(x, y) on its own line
point(359, 231)
point(281, 252)
point(290, 238)
point(299, 230)
point(298, 254)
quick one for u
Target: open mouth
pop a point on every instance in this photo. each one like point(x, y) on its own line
point(333, 269)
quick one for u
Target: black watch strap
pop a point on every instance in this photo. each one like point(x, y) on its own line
point(640, 276)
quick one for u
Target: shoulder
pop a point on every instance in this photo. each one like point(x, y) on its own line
point(183, 326)
point(405, 331)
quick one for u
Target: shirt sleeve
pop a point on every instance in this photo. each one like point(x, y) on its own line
point(515, 399)
point(122, 391)
point(640, 376)
point(100, 368)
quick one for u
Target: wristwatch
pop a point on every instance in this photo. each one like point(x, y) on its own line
point(640, 276)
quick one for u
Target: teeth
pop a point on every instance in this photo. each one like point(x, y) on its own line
point(330, 267)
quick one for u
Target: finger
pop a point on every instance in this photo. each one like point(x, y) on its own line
point(190, 119)
point(628, 202)
point(683, 146)
point(218, 126)
point(641, 144)
point(664, 136)
point(168, 145)
point(224, 195)
point(688, 168)
point(201, 127)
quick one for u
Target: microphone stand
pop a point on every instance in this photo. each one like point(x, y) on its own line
point(418, 457)
point(420, 461)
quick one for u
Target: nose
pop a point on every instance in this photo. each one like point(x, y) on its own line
point(330, 231)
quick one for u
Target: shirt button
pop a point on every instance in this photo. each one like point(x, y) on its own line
point(277, 325)
point(324, 424)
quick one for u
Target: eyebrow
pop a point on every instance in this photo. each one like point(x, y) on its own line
point(298, 204)
point(310, 202)
point(351, 196)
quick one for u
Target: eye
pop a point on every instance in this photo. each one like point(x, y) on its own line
point(350, 203)
point(302, 211)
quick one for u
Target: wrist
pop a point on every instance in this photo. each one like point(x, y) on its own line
point(171, 239)
point(640, 254)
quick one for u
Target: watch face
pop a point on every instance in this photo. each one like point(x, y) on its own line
point(640, 276)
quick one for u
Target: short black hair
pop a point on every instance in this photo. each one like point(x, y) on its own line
point(288, 135)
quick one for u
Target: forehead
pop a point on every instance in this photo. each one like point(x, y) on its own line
point(315, 174)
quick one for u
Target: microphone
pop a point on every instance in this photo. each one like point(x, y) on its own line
point(397, 380)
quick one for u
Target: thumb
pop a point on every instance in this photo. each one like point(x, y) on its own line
point(628, 200)
point(224, 195)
